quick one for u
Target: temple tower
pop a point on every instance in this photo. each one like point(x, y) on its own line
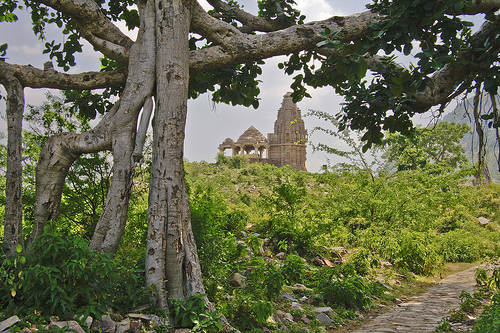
point(287, 145)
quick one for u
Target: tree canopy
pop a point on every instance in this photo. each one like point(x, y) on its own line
point(183, 50)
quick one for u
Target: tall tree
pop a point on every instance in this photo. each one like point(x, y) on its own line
point(183, 50)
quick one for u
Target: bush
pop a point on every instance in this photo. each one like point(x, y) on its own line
point(490, 318)
point(293, 269)
point(247, 313)
point(349, 292)
point(459, 246)
point(62, 277)
point(412, 250)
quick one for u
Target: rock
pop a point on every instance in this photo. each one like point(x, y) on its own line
point(386, 264)
point(70, 325)
point(141, 308)
point(300, 287)
point(9, 322)
point(237, 279)
point(305, 320)
point(401, 276)
point(123, 326)
point(324, 319)
point(106, 325)
point(483, 220)
point(326, 310)
point(281, 255)
point(386, 286)
point(341, 250)
point(289, 297)
point(304, 299)
point(296, 306)
point(280, 314)
point(288, 317)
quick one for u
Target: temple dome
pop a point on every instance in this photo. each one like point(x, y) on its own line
point(251, 135)
point(228, 142)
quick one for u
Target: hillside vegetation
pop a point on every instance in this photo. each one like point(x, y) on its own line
point(275, 244)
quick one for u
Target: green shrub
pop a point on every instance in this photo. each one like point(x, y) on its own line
point(412, 250)
point(64, 277)
point(349, 292)
point(459, 246)
point(490, 318)
point(195, 314)
point(247, 313)
point(293, 269)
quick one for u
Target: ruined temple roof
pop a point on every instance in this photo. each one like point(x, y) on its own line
point(228, 142)
point(251, 135)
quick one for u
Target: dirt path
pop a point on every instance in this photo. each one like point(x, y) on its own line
point(423, 312)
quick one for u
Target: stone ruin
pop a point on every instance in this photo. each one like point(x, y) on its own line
point(286, 146)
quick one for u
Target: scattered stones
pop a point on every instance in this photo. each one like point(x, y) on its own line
point(326, 310)
point(304, 299)
point(9, 322)
point(70, 325)
point(289, 297)
point(341, 250)
point(324, 319)
point(386, 264)
point(300, 287)
point(123, 326)
point(288, 317)
point(483, 220)
point(106, 325)
point(281, 255)
point(296, 306)
point(305, 320)
point(236, 279)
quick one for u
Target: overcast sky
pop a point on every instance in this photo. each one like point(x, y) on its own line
point(207, 124)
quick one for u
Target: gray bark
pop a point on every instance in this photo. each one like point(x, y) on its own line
point(13, 225)
point(172, 264)
point(117, 132)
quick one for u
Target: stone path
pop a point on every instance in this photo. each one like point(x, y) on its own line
point(423, 312)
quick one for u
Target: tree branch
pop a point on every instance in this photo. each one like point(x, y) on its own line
point(33, 77)
point(244, 47)
point(95, 27)
point(250, 23)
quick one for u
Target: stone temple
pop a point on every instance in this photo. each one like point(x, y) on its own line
point(286, 146)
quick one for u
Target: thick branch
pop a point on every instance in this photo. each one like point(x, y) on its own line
point(211, 28)
point(243, 47)
point(250, 22)
point(443, 85)
point(95, 27)
point(32, 77)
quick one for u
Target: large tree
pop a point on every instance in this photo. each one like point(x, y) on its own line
point(183, 50)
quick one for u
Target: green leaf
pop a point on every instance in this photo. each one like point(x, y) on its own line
point(19, 248)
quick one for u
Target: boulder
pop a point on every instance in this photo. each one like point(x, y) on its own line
point(296, 306)
point(237, 279)
point(288, 297)
point(281, 255)
point(9, 322)
point(324, 319)
point(326, 310)
point(69, 325)
point(106, 325)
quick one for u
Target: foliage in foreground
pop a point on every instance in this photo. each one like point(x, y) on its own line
point(62, 276)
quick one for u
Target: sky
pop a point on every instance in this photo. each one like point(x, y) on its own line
point(207, 124)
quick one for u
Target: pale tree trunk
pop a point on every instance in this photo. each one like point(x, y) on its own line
point(139, 86)
point(172, 265)
point(115, 131)
point(13, 224)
